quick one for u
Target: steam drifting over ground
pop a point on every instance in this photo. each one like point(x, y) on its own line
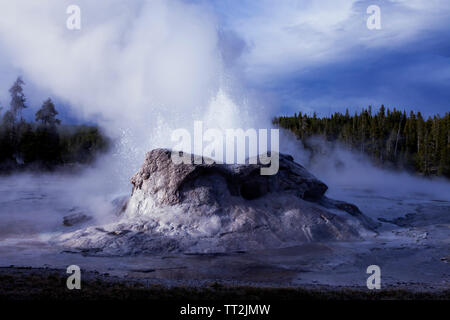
point(342, 168)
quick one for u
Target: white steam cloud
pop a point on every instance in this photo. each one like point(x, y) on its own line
point(139, 68)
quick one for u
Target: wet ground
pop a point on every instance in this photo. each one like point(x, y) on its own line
point(412, 247)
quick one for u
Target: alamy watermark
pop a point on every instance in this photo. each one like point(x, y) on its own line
point(374, 281)
point(73, 22)
point(374, 20)
point(228, 146)
point(74, 280)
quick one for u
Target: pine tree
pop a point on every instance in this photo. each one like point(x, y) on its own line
point(17, 98)
point(47, 114)
point(405, 140)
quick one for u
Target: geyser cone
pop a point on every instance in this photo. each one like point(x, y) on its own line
point(221, 208)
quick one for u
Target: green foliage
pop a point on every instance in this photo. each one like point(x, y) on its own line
point(45, 143)
point(47, 114)
point(17, 98)
point(49, 146)
point(81, 144)
point(388, 137)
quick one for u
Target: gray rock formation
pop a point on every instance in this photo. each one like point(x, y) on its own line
point(75, 219)
point(168, 183)
point(221, 208)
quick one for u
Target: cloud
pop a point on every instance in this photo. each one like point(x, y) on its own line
point(140, 68)
point(315, 54)
point(298, 34)
point(130, 58)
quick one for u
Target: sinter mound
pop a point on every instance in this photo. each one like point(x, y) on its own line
point(210, 208)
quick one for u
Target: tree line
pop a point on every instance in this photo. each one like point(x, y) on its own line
point(44, 143)
point(389, 137)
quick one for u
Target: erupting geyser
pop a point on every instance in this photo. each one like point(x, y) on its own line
point(205, 208)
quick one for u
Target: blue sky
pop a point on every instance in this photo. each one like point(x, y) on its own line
point(307, 56)
point(320, 56)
